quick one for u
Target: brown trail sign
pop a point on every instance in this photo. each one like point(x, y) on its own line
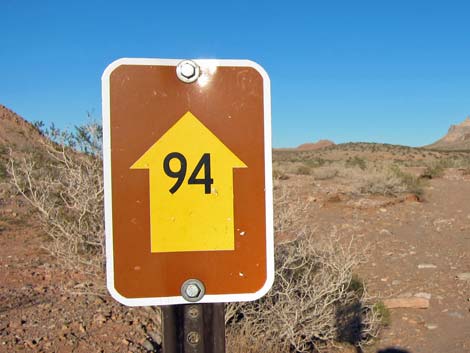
point(188, 186)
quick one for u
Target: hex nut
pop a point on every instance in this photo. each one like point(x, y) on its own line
point(188, 71)
point(193, 290)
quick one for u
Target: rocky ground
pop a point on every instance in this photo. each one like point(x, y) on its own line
point(41, 308)
point(418, 259)
point(418, 256)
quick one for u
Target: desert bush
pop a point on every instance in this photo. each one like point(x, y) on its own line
point(315, 162)
point(315, 300)
point(389, 181)
point(65, 186)
point(324, 173)
point(3, 170)
point(288, 212)
point(356, 162)
point(279, 174)
point(383, 313)
point(437, 167)
point(433, 170)
point(303, 170)
point(311, 303)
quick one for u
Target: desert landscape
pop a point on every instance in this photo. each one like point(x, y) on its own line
point(372, 250)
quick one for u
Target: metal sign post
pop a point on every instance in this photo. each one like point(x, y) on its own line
point(193, 328)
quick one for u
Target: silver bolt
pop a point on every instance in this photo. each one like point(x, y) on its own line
point(193, 290)
point(188, 71)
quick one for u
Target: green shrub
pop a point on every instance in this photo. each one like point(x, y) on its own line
point(383, 313)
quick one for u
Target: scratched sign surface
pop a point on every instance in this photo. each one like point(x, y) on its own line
point(187, 181)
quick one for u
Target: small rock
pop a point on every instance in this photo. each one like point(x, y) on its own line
point(423, 295)
point(383, 210)
point(412, 198)
point(465, 276)
point(414, 303)
point(148, 345)
point(334, 198)
point(99, 319)
point(423, 266)
point(155, 337)
point(455, 314)
point(431, 326)
point(125, 341)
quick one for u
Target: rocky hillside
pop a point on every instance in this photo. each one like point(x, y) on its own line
point(17, 133)
point(457, 138)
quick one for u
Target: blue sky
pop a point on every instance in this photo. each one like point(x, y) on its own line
point(384, 71)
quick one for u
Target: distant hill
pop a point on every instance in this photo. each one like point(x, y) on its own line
point(457, 138)
point(315, 145)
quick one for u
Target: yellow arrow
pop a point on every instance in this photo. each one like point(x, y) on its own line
point(191, 189)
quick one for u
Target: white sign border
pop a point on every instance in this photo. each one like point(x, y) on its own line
point(210, 298)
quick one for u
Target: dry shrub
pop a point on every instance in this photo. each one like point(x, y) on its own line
point(303, 170)
point(64, 184)
point(314, 300)
point(289, 212)
point(387, 181)
point(279, 173)
point(325, 173)
point(311, 304)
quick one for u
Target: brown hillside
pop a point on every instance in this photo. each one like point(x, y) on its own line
point(457, 138)
point(315, 146)
point(17, 133)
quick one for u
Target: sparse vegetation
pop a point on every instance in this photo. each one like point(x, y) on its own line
point(390, 181)
point(383, 313)
point(311, 304)
point(315, 301)
point(325, 173)
point(278, 174)
point(356, 162)
point(303, 170)
point(65, 187)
